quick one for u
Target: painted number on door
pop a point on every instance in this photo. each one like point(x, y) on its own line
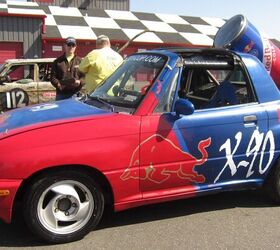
point(16, 98)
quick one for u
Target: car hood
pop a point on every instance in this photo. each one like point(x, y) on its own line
point(45, 114)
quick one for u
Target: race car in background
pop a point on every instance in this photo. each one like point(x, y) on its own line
point(24, 82)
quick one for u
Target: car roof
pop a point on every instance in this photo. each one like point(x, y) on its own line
point(196, 50)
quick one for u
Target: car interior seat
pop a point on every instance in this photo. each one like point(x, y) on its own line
point(224, 96)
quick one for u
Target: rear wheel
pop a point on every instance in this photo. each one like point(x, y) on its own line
point(63, 206)
point(272, 185)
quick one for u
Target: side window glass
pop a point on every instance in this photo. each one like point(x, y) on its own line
point(29, 72)
point(208, 88)
point(45, 72)
point(21, 73)
point(15, 73)
point(243, 89)
point(199, 87)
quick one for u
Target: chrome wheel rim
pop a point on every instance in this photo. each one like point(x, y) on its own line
point(65, 207)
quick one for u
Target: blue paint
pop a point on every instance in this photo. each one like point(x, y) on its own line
point(264, 85)
point(60, 110)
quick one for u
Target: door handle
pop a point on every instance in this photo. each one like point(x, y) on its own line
point(250, 120)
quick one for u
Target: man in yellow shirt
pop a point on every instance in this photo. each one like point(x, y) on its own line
point(99, 63)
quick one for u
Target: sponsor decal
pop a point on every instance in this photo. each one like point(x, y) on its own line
point(255, 160)
point(44, 107)
point(48, 94)
point(160, 174)
point(159, 86)
point(256, 147)
point(268, 54)
point(145, 58)
point(249, 47)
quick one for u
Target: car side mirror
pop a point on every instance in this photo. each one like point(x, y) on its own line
point(183, 107)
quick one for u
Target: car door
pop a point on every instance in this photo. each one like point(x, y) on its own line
point(46, 91)
point(210, 149)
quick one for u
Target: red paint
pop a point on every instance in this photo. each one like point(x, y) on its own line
point(10, 50)
point(121, 147)
point(7, 201)
point(275, 68)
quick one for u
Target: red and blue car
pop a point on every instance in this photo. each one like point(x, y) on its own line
point(167, 124)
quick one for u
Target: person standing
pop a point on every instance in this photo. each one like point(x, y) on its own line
point(65, 74)
point(99, 63)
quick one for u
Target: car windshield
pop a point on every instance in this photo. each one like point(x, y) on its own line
point(128, 85)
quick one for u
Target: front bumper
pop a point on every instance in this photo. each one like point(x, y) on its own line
point(8, 189)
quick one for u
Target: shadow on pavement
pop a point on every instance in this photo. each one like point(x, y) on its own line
point(18, 235)
point(222, 201)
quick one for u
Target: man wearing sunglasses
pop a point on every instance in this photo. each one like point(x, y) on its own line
point(65, 74)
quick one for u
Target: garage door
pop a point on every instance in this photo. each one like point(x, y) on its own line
point(10, 50)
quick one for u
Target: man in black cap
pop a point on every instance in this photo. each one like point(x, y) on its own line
point(65, 74)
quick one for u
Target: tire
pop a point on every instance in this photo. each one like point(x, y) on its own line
point(272, 184)
point(63, 206)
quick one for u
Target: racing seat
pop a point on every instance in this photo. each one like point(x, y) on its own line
point(224, 96)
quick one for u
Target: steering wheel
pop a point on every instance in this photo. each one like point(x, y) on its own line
point(125, 92)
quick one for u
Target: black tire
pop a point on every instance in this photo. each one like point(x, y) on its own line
point(49, 209)
point(272, 184)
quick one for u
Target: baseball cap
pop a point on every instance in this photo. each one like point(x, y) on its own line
point(70, 41)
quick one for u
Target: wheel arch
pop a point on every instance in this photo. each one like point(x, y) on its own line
point(95, 174)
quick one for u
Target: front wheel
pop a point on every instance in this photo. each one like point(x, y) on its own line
point(63, 206)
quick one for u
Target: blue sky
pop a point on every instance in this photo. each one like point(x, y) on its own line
point(263, 14)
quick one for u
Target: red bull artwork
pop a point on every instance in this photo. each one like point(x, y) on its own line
point(183, 169)
point(240, 35)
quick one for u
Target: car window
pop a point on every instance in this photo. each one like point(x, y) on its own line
point(209, 88)
point(20, 73)
point(131, 81)
point(45, 71)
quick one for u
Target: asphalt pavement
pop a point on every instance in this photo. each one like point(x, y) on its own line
point(232, 220)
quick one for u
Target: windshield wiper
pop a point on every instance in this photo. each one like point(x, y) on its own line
point(111, 107)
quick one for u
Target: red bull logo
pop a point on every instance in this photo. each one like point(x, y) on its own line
point(269, 54)
point(182, 166)
point(249, 47)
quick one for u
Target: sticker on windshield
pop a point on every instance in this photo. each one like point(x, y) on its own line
point(145, 58)
point(130, 98)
